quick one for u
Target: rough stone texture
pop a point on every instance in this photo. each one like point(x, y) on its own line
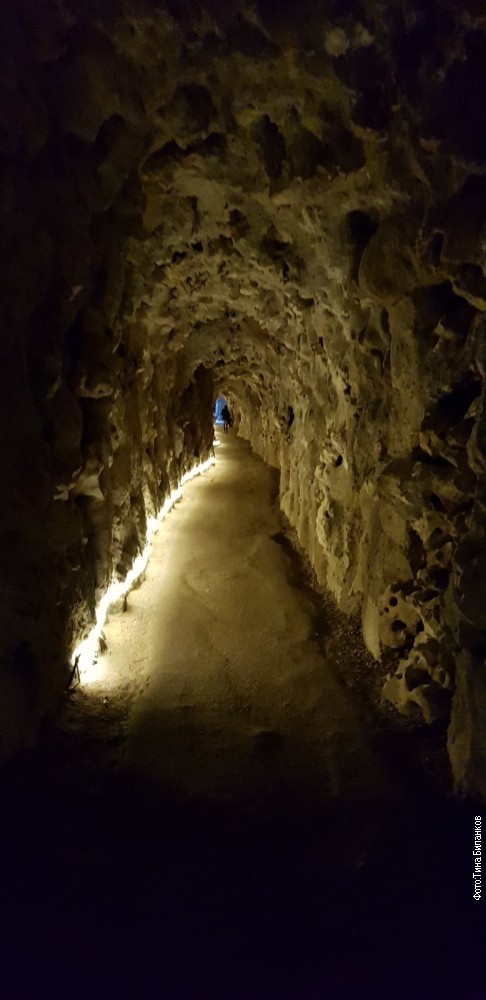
point(286, 205)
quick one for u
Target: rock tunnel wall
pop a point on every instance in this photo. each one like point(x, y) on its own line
point(285, 207)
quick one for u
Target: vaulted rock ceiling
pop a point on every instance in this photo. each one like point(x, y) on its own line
point(284, 202)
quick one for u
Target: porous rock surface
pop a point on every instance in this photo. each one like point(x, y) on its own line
point(285, 203)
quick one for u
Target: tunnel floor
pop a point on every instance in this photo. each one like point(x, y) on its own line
point(217, 816)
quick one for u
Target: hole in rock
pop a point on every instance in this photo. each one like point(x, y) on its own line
point(238, 222)
point(416, 551)
point(453, 406)
point(385, 321)
point(437, 461)
point(425, 596)
point(436, 502)
point(438, 538)
point(274, 247)
point(168, 155)
point(415, 676)
point(306, 153)
point(439, 577)
point(214, 145)
point(199, 103)
point(436, 248)
point(272, 146)
point(440, 310)
point(470, 278)
point(361, 226)
point(398, 625)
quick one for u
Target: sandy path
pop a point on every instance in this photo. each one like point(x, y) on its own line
point(243, 832)
point(237, 700)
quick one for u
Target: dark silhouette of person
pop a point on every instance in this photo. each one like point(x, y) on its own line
point(226, 415)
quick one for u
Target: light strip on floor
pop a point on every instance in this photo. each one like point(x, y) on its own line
point(85, 655)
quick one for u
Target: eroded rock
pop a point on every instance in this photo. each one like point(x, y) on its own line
point(286, 206)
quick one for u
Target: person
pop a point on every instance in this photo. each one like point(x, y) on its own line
point(226, 415)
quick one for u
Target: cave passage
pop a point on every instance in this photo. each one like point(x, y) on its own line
point(282, 204)
point(237, 700)
point(216, 814)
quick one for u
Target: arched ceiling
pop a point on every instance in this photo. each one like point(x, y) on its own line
point(253, 153)
point(285, 202)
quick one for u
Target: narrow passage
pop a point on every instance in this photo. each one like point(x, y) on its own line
point(239, 833)
point(237, 703)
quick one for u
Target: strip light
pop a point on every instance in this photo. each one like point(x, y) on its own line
point(85, 655)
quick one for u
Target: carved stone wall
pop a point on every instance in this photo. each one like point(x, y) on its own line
point(287, 205)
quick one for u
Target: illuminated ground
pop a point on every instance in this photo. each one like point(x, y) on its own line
point(236, 699)
point(217, 817)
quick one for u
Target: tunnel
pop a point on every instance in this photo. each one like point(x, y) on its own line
point(281, 207)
